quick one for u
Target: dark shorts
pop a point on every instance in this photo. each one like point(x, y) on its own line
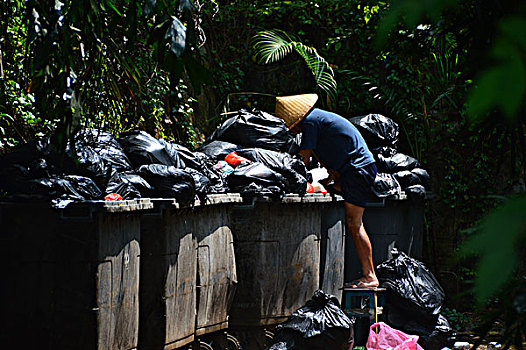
point(356, 184)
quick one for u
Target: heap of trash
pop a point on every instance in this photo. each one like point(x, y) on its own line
point(319, 324)
point(252, 153)
point(397, 172)
point(414, 300)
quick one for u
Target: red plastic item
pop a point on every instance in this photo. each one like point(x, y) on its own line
point(390, 338)
point(234, 160)
point(113, 197)
point(316, 188)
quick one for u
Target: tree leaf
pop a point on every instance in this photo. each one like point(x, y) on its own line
point(272, 46)
point(175, 36)
point(502, 85)
point(498, 243)
point(112, 6)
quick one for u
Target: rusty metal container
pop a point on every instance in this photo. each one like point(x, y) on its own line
point(70, 276)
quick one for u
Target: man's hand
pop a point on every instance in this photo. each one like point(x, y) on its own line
point(306, 154)
point(334, 175)
point(326, 181)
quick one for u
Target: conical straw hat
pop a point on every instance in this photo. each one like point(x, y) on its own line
point(292, 109)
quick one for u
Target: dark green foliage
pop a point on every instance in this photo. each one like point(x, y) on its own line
point(111, 64)
point(171, 67)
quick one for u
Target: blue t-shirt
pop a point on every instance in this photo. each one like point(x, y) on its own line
point(337, 143)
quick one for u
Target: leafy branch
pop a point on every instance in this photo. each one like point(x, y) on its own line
point(272, 46)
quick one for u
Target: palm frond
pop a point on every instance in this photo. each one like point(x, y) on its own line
point(272, 46)
point(389, 97)
point(320, 68)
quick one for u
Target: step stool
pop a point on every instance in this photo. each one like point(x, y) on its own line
point(354, 303)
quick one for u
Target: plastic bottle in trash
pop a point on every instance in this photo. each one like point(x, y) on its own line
point(224, 167)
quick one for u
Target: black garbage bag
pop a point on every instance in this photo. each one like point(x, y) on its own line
point(79, 159)
point(190, 159)
point(274, 160)
point(25, 153)
point(169, 182)
point(434, 332)
point(398, 162)
point(320, 324)
point(385, 151)
point(14, 177)
point(217, 150)
point(70, 187)
point(61, 190)
point(40, 159)
point(201, 167)
point(40, 168)
point(106, 146)
point(23, 163)
point(258, 173)
point(292, 169)
point(435, 336)
point(129, 185)
point(422, 175)
point(409, 279)
point(144, 149)
point(385, 185)
point(202, 183)
point(406, 178)
point(255, 190)
point(218, 183)
point(415, 192)
point(256, 129)
point(26, 171)
point(377, 130)
point(413, 301)
point(92, 153)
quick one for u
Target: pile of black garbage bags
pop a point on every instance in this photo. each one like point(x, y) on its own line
point(252, 153)
point(414, 300)
point(397, 172)
point(136, 164)
point(318, 325)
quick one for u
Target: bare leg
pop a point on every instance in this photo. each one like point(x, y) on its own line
point(362, 244)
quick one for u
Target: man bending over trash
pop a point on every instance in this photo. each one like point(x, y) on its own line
point(340, 148)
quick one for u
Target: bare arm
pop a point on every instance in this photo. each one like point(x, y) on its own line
point(306, 154)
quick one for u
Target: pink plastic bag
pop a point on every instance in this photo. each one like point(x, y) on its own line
point(391, 339)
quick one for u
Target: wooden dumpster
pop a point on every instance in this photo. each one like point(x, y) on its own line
point(188, 271)
point(332, 249)
point(70, 276)
point(390, 223)
point(277, 246)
